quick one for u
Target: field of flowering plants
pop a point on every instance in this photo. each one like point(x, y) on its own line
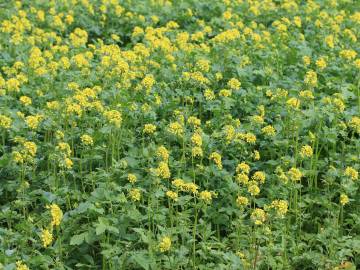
point(179, 134)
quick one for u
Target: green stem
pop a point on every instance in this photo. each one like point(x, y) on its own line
point(194, 233)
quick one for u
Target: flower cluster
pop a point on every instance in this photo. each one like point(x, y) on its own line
point(179, 134)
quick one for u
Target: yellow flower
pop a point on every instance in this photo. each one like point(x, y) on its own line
point(33, 121)
point(339, 104)
point(206, 196)
point(203, 65)
point(68, 163)
point(344, 199)
point(250, 138)
point(172, 195)
point(30, 148)
point(256, 155)
point(64, 148)
point(354, 123)
point(87, 140)
point(137, 31)
point(80, 60)
point(257, 119)
point(234, 84)
point(242, 201)
point(148, 82)
point(192, 120)
point(225, 93)
point(293, 102)
point(56, 214)
point(196, 151)
point(243, 168)
point(348, 54)
point(258, 216)
point(114, 117)
point(132, 178)
point(157, 100)
point(259, 176)
point(196, 76)
point(269, 130)
point(311, 78)
point(53, 105)
point(357, 63)
point(163, 153)
point(242, 178)
point(329, 40)
point(306, 151)
point(178, 183)
point(115, 37)
point(172, 25)
point(41, 15)
point(281, 175)
point(46, 237)
point(190, 187)
point(306, 94)
point(196, 139)
point(216, 157)
point(135, 194)
point(352, 173)
point(321, 63)
point(13, 85)
point(165, 244)
point(306, 60)
point(17, 157)
point(79, 37)
point(73, 86)
point(253, 189)
point(25, 100)
point(163, 170)
point(227, 15)
point(176, 128)
point(59, 135)
point(155, 19)
point(230, 133)
point(21, 266)
point(5, 122)
point(149, 129)
point(281, 207)
point(69, 19)
point(295, 174)
point(146, 108)
point(297, 21)
point(227, 36)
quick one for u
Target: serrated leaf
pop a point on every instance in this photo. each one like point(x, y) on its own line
point(142, 260)
point(78, 239)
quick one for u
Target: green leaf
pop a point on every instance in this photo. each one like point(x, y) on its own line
point(112, 229)
point(78, 239)
point(142, 260)
point(144, 234)
point(100, 228)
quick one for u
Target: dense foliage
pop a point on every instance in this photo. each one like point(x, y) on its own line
point(185, 134)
